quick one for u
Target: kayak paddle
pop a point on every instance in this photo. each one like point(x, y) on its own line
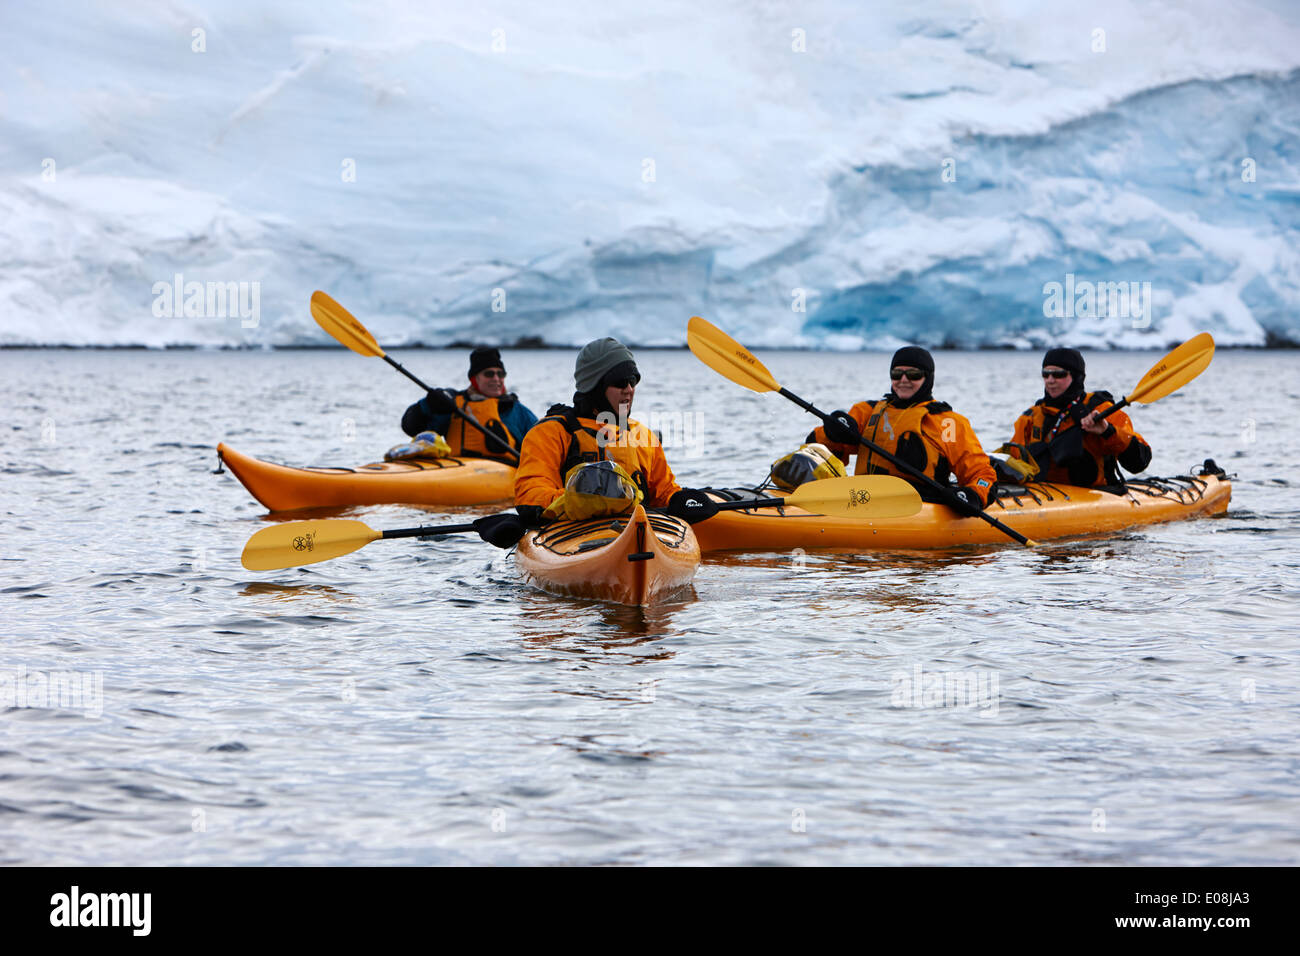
point(345, 328)
point(857, 496)
point(295, 543)
point(733, 361)
point(1170, 374)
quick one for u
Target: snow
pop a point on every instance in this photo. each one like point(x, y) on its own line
point(612, 168)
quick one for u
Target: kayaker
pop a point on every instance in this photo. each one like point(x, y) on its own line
point(486, 399)
point(909, 424)
point(597, 428)
point(1091, 453)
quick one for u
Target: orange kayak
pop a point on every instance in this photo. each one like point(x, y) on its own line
point(629, 559)
point(1039, 511)
point(432, 481)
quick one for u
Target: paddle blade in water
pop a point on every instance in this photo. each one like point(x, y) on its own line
point(343, 325)
point(859, 496)
point(720, 352)
point(1175, 370)
point(296, 543)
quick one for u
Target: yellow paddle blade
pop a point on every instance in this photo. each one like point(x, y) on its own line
point(296, 543)
point(720, 352)
point(859, 496)
point(343, 325)
point(1174, 370)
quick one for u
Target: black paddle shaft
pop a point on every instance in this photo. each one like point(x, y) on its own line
point(459, 411)
point(953, 501)
point(428, 531)
point(743, 503)
point(1106, 414)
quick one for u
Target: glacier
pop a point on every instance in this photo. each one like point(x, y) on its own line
point(813, 174)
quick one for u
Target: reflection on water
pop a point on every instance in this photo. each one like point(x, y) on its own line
point(608, 633)
point(308, 514)
point(296, 592)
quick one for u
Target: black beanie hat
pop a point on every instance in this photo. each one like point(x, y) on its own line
point(1066, 358)
point(913, 356)
point(485, 356)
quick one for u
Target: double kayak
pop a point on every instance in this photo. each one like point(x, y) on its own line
point(634, 559)
point(431, 481)
point(1038, 510)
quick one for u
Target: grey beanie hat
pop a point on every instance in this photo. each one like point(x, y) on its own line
point(597, 358)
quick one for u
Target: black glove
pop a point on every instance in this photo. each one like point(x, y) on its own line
point(841, 428)
point(969, 497)
point(691, 506)
point(441, 401)
point(533, 516)
point(504, 531)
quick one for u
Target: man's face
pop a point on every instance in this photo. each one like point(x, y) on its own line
point(490, 382)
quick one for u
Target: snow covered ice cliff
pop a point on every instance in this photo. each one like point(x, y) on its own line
point(801, 173)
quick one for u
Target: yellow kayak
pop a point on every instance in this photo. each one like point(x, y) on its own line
point(631, 559)
point(432, 481)
point(1038, 510)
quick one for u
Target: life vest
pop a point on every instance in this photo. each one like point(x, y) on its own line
point(587, 445)
point(467, 440)
point(1071, 453)
point(899, 432)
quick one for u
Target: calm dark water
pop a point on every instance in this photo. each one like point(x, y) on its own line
point(1132, 699)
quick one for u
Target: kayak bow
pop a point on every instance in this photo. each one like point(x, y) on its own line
point(635, 559)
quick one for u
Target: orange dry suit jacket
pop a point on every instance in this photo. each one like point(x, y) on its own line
point(562, 439)
point(1080, 458)
point(928, 435)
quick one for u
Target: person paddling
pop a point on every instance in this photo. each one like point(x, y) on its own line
point(1065, 436)
point(596, 428)
point(911, 425)
point(486, 399)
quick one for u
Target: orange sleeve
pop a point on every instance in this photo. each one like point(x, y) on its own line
point(541, 456)
point(1020, 434)
point(970, 464)
point(1124, 432)
point(659, 477)
point(861, 412)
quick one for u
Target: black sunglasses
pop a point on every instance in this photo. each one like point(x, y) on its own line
point(624, 381)
point(493, 373)
point(913, 374)
point(1055, 373)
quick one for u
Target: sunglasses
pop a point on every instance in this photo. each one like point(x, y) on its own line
point(1055, 374)
point(493, 373)
point(912, 374)
point(627, 381)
